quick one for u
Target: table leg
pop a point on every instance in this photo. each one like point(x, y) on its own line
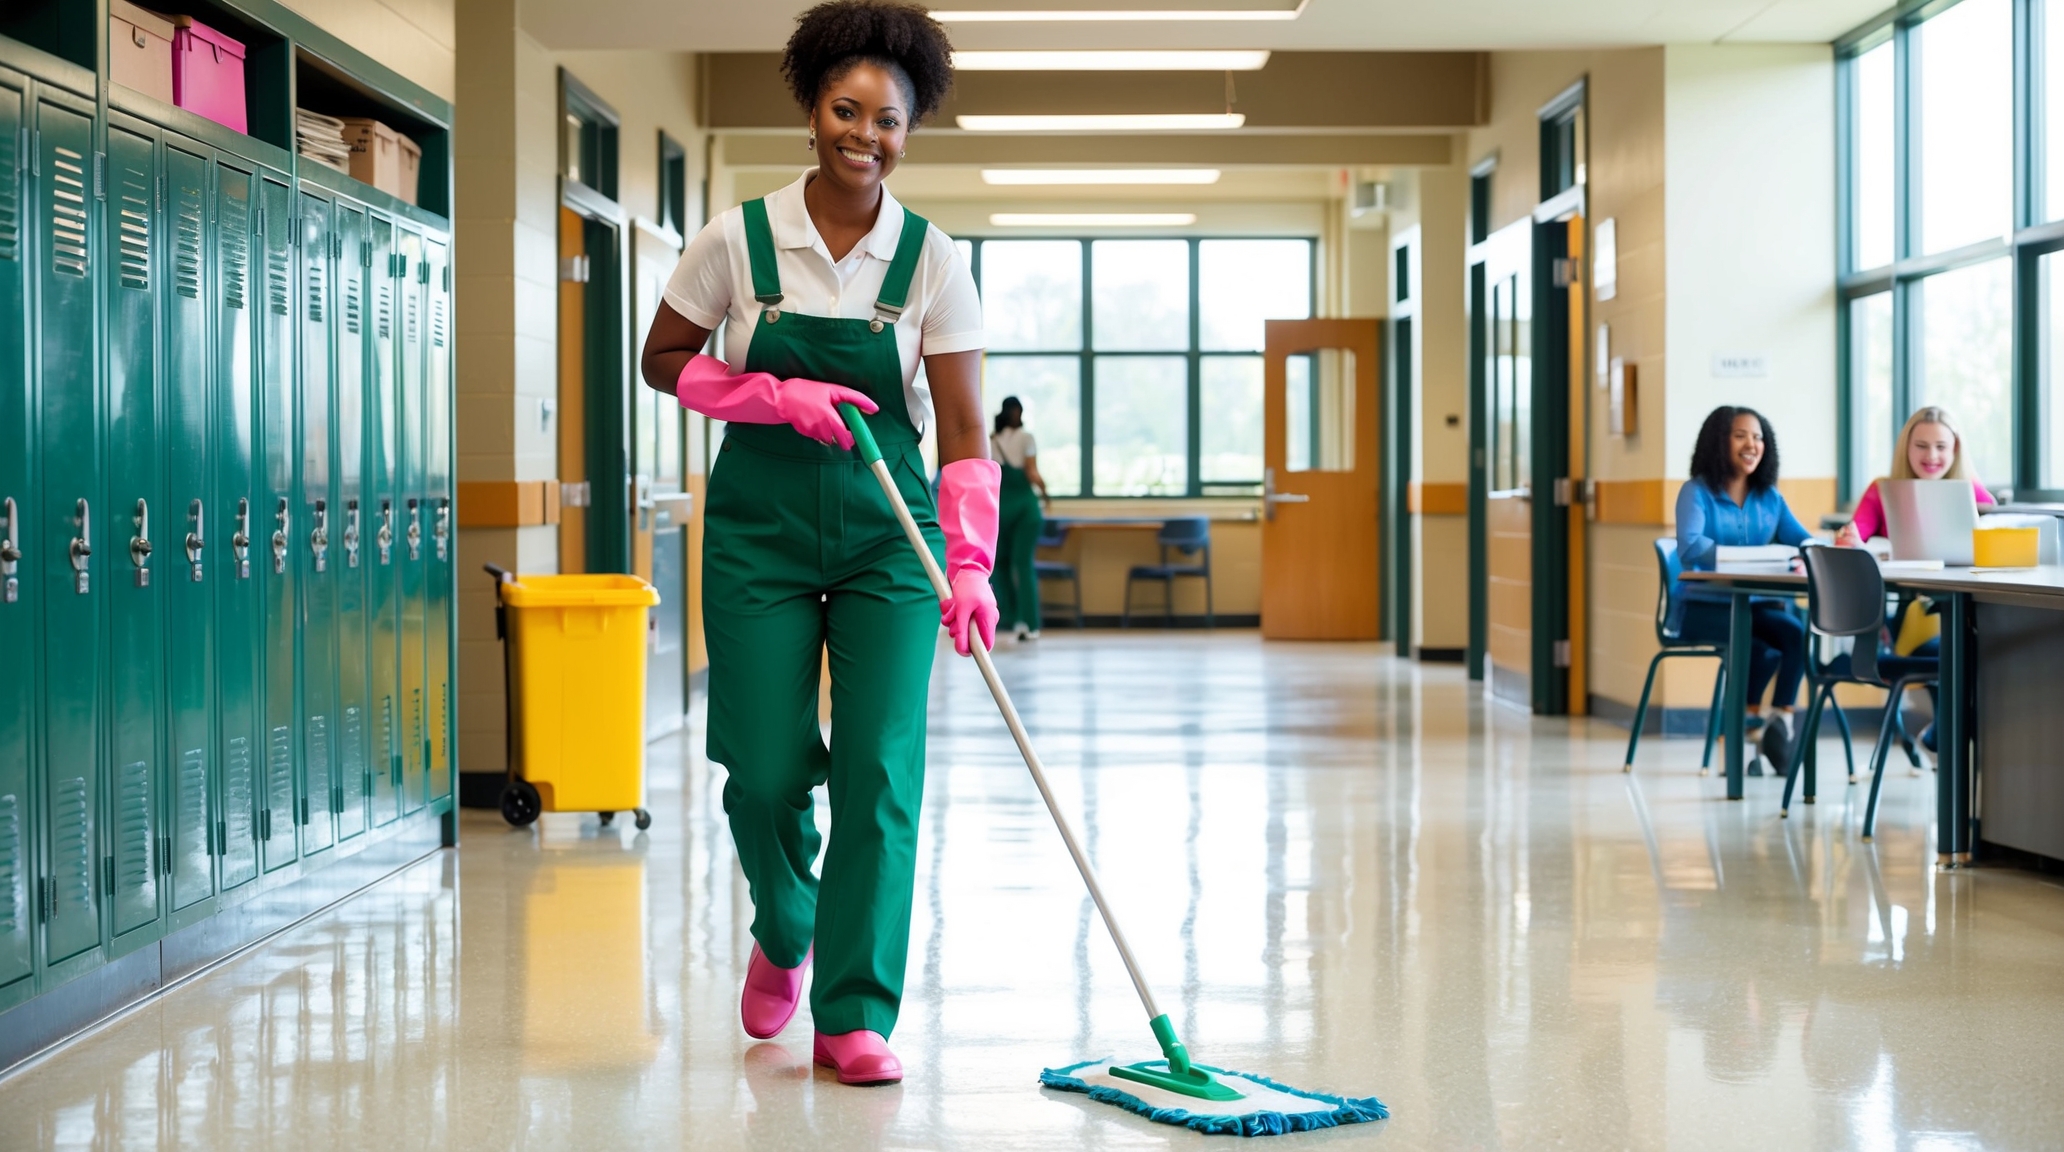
point(1737, 701)
point(1952, 736)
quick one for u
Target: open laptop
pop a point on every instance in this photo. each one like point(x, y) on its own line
point(1930, 519)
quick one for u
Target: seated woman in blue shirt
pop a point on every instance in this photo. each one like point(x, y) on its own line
point(1732, 499)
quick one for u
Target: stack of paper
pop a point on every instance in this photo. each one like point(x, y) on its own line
point(321, 138)
point(1755, 559)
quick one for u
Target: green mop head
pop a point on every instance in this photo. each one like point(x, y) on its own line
point(1264, 1107)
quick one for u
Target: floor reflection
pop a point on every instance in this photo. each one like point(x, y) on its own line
point(1345, 871)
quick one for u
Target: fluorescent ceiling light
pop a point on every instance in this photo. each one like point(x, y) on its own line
point(1241, 60)
point(1092, 219)
point(1139, 122)
point(1050, 16)
point(1100, 175)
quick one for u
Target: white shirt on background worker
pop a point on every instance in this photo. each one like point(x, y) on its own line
point(1014, 446)
point(713, 285)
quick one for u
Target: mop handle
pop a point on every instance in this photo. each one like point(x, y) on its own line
point(864, 438)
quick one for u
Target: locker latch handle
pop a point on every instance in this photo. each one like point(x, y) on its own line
point(281, 516)
point(385, 537)
point(82, 547)
point(415, 529)
point(351, 533)
point(240, 543)
point(196, 512)
point(319, 538)
point(139, 544)
point(442, 532)
point(10, 553)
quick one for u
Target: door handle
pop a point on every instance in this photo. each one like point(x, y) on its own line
point(385, 537)
point(196, 512)
point(10, 553)
point(351, 533)
point(281, 517)
point(319, 536)
point(1270, 497)
point(240, 544)
point(82, 548)
point(415, 529)
point(442, 532)
point(139, 544)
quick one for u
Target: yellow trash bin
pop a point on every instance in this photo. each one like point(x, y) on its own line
point(576, 684)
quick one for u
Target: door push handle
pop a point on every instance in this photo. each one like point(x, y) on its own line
point(1270, 497)
point(442, 532)
point(139, 544)
point(415, 529)
point(319, 537)
point(10, 553)
point(240, 543)
point(385, 537)
point(281, 516)
point(351, 533)
point(82, 548)
point(196, 512)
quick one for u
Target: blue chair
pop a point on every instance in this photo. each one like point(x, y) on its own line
point(1053, 534)
point(1185, 537)
point(1672, 645)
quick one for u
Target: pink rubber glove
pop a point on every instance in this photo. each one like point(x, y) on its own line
point(968, 495)
point(809, 406)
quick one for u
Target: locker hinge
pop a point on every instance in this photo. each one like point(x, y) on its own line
point(35, 151)
point(365, 253)
point(107, 875)
point(46, 895)
point(422, 272)
point(258, 221)
point(574, 269)
point(337, 799)
point(100, 175)
point(1564, 492)
point(447, 277)
point(163, 848)
point(218, 844)
point(336, 246)
point(163, 183)
point(397, 265)
point(1566, 271)
point(301, 813)
point(24, 155)
point(265, 823)
point(1562, 653)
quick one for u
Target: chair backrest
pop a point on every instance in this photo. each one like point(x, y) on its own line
point(1052, 534)
point(1845, 592)
point(1667, 570)
point(1186, 534)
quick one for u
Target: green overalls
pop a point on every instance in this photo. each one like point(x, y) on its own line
point(1015, 581)
point(802, 554)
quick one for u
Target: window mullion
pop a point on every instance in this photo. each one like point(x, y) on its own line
point(1086, 376)
point(1194, 450)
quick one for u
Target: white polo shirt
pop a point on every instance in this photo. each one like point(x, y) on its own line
point(713, 284)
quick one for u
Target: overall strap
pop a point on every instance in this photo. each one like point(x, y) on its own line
point(759, 249)
point(895, 289)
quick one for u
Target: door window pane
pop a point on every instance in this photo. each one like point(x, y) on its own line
point(1142, 295)
point(1142, 426)
point(2051, 404)
point(1050, 388)
point(1032, 294)
point(2053, 108)
point(1872, 76)
point(1870, 374)
point(1319, 410)
point(1231, 416)
point(1964, 99)
point(1241, 283)
point(1966, 359)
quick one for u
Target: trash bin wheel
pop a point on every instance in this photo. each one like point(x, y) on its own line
point(521, 803)
point(643, 819)
point(607, 818)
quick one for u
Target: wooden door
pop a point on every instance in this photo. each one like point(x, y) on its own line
point(1578, 691)
point(573, 406)
point(1508, 513)
point(1321, 551)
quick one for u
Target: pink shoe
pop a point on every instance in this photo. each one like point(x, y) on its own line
point(771, 995)
point(861, 1057)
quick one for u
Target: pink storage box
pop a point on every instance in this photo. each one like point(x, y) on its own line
point(208, 74)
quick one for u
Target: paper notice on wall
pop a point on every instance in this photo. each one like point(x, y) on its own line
point(1605, 259)
point(1741, 365)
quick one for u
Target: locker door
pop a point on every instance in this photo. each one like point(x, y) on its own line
point(353, 732)
point(188, 538)
point(278, 522)
point(383, 501)
point(414, 558)
point(312, 547)
point(20, 590)
point(70, 551)
point(134, 524)
point(437, 488)
point(233, 420)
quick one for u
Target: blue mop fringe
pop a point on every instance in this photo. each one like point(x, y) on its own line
point(1346, 1110)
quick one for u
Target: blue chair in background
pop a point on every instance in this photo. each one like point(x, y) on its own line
point(1184, 538)
point(1670, 645)
point(1053, 534)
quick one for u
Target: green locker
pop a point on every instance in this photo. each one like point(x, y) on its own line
point(186, 538)
point(383, 495)
point(66, 547)
point(233, 418)
point(354, 764)
point(278, 455)
point(20, 590)
point(437, 487)
point(318, 578)
point(130, 853)
point(414, 558)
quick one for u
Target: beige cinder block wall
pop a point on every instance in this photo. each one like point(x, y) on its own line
point(417, 38)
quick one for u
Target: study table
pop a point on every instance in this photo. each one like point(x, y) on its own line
point(1999, 713)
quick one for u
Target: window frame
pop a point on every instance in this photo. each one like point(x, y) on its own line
point(1087, 354)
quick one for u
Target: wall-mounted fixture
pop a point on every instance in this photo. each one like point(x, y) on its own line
point(1113, 16)
point(1092, 219)
point(1119, 122)
point(1042, 176)
point(1235, 60)
point(1369, 196)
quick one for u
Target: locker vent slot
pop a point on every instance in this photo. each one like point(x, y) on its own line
point(383, 310)
point(68, 213)
point(354, 303)
point(72, 844)
point(315, 286)
point(444, 724)
point(234, 228)
point(277, 272)
point(415, 719)
point(279, 770)
point(411, 322)
point(133, 861)
point(10, 188)
point(13, 891)
point(354, 755)
point(193, 790)
point(236, 791)
point(437, 320)
point(318, 758)
point(186, 243)
point(133, 222)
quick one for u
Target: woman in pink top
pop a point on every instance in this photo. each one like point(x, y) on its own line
point(1929, 448)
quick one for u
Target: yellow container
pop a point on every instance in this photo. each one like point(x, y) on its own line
point(578, 646)
point(2005, 547)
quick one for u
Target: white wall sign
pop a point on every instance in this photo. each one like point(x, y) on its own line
point(1605, 259)
point(1604, 348)
point(1741, 365)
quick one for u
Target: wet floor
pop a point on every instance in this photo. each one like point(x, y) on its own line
point(1346, 872)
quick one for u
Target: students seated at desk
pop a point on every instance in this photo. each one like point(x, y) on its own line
point(1732, 500)
point(1929, 448)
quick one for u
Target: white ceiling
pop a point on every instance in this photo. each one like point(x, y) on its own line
point(762, 25)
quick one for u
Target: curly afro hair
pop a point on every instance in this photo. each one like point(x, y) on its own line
point(899, 37)
point(1712, 455)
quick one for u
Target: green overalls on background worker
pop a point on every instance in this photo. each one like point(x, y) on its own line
point(1016, 579)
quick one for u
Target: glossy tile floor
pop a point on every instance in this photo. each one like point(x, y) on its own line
point(1342, 870)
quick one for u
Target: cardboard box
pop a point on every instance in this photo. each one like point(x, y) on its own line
point(384, 158)
point(140, 49)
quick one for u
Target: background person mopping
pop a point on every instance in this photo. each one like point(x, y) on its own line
point(829, 291)
point(1016, 580)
